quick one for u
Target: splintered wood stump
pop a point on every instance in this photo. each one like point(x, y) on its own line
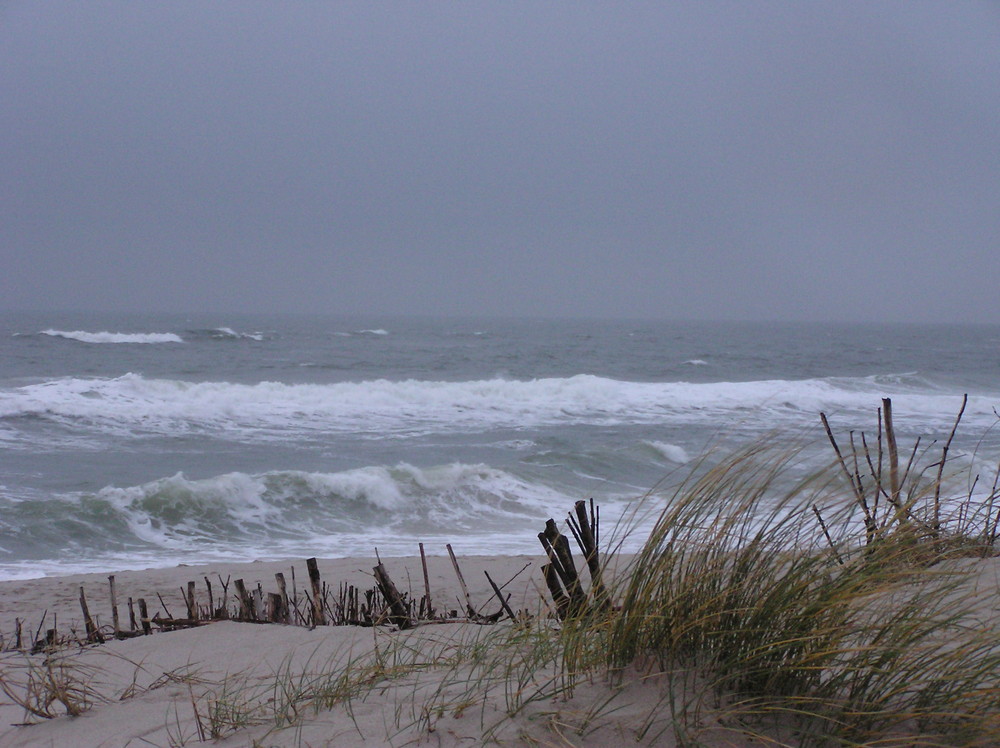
point(144, 617)
point(557, 549)
point(397, 608)
point(556, 591)
point(93, 635)
point(275, 608)
point(469, 608)
point(585, 530)
point(192, 607)
point(427, 608)
point(114, 606)
point(318, 616)
point(246, 604)
point(283, 591)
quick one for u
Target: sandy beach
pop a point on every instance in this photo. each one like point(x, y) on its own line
point(146, 689)
point(237, 684)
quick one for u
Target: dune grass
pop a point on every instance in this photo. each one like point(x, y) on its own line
point(741, 617)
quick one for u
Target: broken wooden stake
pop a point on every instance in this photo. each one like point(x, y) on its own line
point(246, 604)
point(429, 608)
point(93, 635)
point(500, 596)
point(470, 610)
point(397, 608)
point(144, 617)
point(114, 606)
point(318, 617)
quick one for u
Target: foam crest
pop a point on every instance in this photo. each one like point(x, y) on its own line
point(177, 513)
point(228, 333)
point(671, 452)
point(414, 407)
point(114, 337)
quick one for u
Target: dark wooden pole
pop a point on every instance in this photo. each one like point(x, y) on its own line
point(93, 635)
point(397, 609)
point(114, 605)
point(427, 583)
point(144, 617)
point(318, 617)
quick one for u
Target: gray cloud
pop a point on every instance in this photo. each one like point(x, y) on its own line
point(830, 160)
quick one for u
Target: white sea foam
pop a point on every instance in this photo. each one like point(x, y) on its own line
point(696, 362)
point(672, 452)
point(381, 407)
point(228, 332)
point(176, 512)
point(114, 337)
point(379, 331)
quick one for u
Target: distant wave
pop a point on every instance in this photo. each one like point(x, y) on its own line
point(671, 452)
point(364, 333)
point(114, 337)
point(133, 404)
point(696, 362)
point(226, 333)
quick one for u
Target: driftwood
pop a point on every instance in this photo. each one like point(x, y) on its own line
point(500, 597)
point(144, 617)
point(398, 614)
point(383, 603)
point(93, 633)
point(426, 606)
point(114, 606)
point(318, 618)
point(469, 609)
point(560, 574)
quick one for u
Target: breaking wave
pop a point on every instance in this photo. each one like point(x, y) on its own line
point(671, 452)
point(135, 404)
point(114, 337)
point(282, 510)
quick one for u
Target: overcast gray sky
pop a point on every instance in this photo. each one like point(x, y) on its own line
point(790, 160)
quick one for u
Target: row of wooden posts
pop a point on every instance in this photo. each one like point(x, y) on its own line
point(381, 604)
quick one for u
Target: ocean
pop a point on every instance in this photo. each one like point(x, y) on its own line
point(134, 441)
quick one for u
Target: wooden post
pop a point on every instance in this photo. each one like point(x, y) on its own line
point(585, 529)
point(500, 596)
point(131, 616)
point(555, 590)
point(318, 617)
point(470, 610)
point(427, 583)
point(246, 604)
point(144, 617)
point(93, 635)
point(397, 608)
point(557, 547)
point(259, 613)
point(283, 592)
point(192, 607)
point(114, 605)
point(212, 612)
point(890, 436)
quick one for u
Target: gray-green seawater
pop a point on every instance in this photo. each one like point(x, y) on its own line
point(131, 441)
